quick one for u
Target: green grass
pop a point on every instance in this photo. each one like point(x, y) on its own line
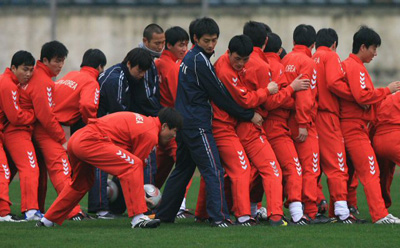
point(186, 233)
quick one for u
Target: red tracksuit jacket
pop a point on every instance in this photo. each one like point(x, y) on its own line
point(38, 94)
point(134, 132)
point(234, 82)
point(363, 91)
point(331, 80)
point(298, 62)
point(168, 70)
point(388, 114)
point(76, 96)
point(10, 109)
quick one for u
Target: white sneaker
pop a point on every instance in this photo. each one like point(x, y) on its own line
point(36, 216)
point(389, 219)
point(11, 218)
point(262, 214)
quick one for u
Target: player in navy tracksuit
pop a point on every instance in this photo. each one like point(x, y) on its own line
point(117, 86)
point(198, 85)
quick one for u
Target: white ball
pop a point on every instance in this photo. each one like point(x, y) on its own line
point(112, 190)
point(154, 194)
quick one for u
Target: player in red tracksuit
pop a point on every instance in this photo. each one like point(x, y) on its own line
point(278, 134)
point(331, 85)
point(355, 120)
point(118, 144)
point(176, 42)
point(11, 113)
point(302, 119)
point(386, 142)
point(48, 134)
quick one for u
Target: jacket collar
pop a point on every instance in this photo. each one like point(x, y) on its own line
point(197, 48)
point(323, 48)
point(357, 59)
point(168, 54)
point(260, 53)
point(302, 49)
point(9, 73)
point(272, 56)
point(42, 67)
point(91, 71)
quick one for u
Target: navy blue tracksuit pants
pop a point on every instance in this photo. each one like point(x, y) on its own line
point(195, 147)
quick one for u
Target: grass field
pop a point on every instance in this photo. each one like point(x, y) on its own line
point(186, 233)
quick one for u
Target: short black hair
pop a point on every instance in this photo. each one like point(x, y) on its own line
point(241, 44)
point(204, 26)
point(174, 35)
point(274, 43)
point(172, 117)
point(256, 31)
point(283, 53)
point(53, 49)
point(150, 29)
point(191, 30)
point(267, 28)
point(326, 37)
point(366, 36)
point(94, 58)
point(304, 35)
point(22, 58)
point(139, 56)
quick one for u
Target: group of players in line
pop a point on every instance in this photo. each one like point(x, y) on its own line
point(254, 124)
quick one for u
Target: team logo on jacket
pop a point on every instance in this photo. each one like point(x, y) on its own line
point(31, 159)
point(6, 171)
point(139, 119)
point(274, 168)
point(371, 165)
point(50, 97)
point(65, 166)
point(315, 162)
point(127, 158)
point(298, 165)
point(96, 96)
point(242, 160)
point(314, 80)
point(362, 80)
point(340, 161)
point(14, 97)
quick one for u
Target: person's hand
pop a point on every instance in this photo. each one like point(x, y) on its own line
point(257, 119)
point(300, 84)
point(303, 133)
point(394, 86)
point(273, 88)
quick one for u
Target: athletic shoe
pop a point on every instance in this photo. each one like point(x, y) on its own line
point(302, 222)
point(221, 223)
point(147, 223)
point(184, 214)
point(322, 207)
point(249, 222)
point(39, 223)
point(351, 220)
point(354, 210)
point(106, 216)
point(37, 216)
point(281, 222)
point(322, 219)
point(81, 216)
point(11, 218)
point(389, 219)
point(261, 214)
point(201, 220)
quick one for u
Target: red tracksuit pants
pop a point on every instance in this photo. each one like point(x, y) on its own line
point(5, 175)
point(261, 155)
point(359, 148)
point(308, 152)
point(333, 154)
point(87, 148)
point(387, 149)
point(278, 135)
point(56, 161)
point(18, 142)
point(236, 165)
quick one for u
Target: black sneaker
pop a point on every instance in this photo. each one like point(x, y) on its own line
point(107, 216)
point(221, 223)
point(322, 219)
point(201, 220)
point(322, 207)
point(282, 222)
point(184, 214)
point(351, 220)
point(249, 222)
point(302, 222)
point(354, 210)
point(11, 218)
point(147, 223)
point(81, 216)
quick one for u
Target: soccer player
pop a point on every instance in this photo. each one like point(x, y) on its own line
point(355, 119)
point(115, 95)
point(198, 85)
point(15, 117)
point(331, 85)
point(118, 144)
